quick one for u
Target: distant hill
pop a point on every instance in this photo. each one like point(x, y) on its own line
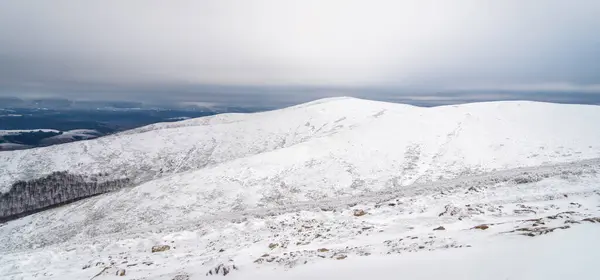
point(27, 128)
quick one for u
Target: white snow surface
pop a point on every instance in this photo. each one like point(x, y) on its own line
point(281, 195)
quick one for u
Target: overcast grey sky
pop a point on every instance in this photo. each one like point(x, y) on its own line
point(288, 51)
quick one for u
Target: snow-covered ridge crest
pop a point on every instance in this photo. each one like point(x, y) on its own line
point(340, 145)
point(167, 148)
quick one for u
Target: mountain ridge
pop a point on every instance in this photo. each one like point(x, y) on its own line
point(333, 146)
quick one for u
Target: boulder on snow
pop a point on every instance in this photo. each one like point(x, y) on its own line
point(222, 269)
point(440, 228)
point(340, 257)
point(359, 212)
point(160, 248)
point(482, 227)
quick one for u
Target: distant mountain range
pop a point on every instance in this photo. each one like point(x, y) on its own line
point(67, 104)
point(43, 122)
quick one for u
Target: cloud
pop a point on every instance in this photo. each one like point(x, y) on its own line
point(548, 87)
point(203, 48)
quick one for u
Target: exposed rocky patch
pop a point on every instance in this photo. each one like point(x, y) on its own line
point(536, 231)
point(420, 243)
point(222, 269)
point(592, 220)
point(181, 277)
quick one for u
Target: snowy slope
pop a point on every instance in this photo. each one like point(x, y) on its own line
point(147, 153)
point(354, 140)
point(533, 217)
point(12, 146)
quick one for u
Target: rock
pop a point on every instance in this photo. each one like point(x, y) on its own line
point(538, 231)
point(440, 228)
point(160, 248)
point(592, 220)
point(563, 215)
point(359, 212)
point(222, 269)
point(120, 272)
point(273, 246)
point(451, 210)
point(181, 277)
point(482, 227)
point(322, 250)
point(340, 257)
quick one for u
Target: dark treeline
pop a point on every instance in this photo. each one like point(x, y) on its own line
point(58, 188)
point(31, 138)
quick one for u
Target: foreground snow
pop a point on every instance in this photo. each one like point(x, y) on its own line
point(569, 254)
point(538, 220)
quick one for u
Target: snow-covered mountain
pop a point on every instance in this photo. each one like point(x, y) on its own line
point(416, 143)
point(336, 146)
point(295, 180)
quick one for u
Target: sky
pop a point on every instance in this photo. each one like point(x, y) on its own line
point(286, 52)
